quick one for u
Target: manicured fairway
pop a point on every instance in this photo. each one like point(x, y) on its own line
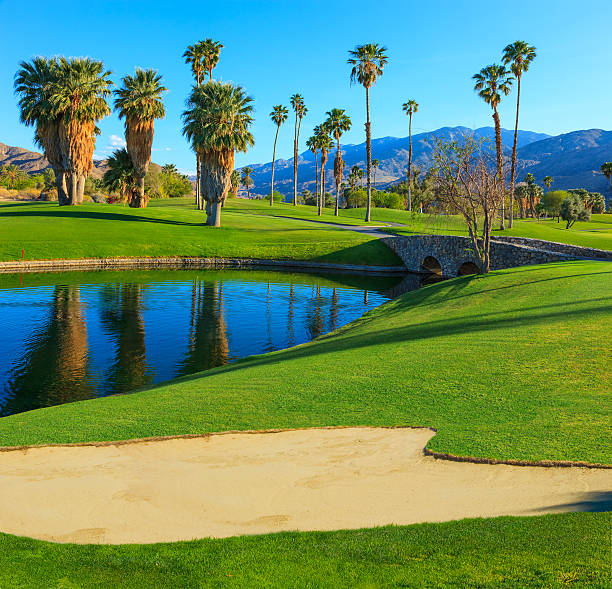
point(512, 365)
point(548, 551)
point(169, 228)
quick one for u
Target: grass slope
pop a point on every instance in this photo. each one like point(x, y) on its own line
point(174, 228)
point(548, 551)
point(512, 365)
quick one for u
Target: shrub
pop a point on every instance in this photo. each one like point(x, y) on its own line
point(572, 209)
point(355, 198)
point(387, 200)
point(596, 202)
point(551, 202)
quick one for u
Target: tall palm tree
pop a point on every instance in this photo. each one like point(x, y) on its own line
point(375, 165)
point(547, 181)
point(325, 145)
point(337, 123)
point(79, 97)
point(11, 174)
point(120, 177)
point(278, 115)
point(34, 83)
point(139, 102)
point(519, 56)
point(297, 103)
point(247, 181)
point(491, 82)
point(211, 50)
point(235, 182)
point(368, 62)
point(217, 122)
point(606, 170)
point(170, 169)
point(194, 55)
point(313, 146)
point(410, 108)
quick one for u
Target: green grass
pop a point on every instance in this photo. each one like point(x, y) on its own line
point(548, 551)
point(512, 365)
point(167, 228)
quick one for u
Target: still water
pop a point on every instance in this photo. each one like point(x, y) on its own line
point(71, 336)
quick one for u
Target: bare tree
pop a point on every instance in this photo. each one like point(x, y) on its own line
point(468, 182)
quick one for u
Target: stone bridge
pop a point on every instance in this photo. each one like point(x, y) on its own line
point(453, 255)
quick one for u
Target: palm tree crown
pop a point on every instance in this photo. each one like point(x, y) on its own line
point(194, 55)
point(81, 89)
point(218, 118)
point(337, 122)
point(279, 114)
point(410, 107)
point(491, 82)
point(519, 56)
point(34, 85)
point(140, 96)
point(211, 52)
point(606, 170)
point(368, 62)
point(297, 103)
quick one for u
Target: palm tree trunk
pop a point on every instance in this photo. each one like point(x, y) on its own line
point(60, 184)
point(316, 175)
point(198, 189)
point(273, 160)
point(513, 165)
point(500, 172)
point(368, 155)
point(322, 195)
point(295, 158)
point(410, 162)
point(215, 214)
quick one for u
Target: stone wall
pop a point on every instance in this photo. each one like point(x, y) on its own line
point(553, 246)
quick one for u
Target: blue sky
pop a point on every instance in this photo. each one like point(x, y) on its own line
point(276, 48)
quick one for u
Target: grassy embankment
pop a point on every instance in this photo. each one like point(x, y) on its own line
point(547, 551)
point(513, 365)
point(169, 228)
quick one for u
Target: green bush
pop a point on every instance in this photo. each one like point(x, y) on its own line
point(388, 200)
point(552, 201)
point(573, 209)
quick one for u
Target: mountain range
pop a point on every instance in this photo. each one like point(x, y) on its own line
point(572, 159)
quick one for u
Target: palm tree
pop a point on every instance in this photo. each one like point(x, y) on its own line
point(297, 102)
point(325, 144)
point(491, 82)
point(368, 62)
point(375, 165)
point(313, 146)
point(235, 182)
point(547, 181)
point(79, 97)
point(606, 170)
point(170, 169)
point(337, 123)
point(11, 174)
point(211, 51)
point(120, 177)
point(194, 55)
point(410, 108)
point(278, 115)
point(139, 102)
point(247, 181)
point(34, 83)
point(519, 56)
point(217, 122)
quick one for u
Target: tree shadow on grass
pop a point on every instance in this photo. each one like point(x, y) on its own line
point(104, 216)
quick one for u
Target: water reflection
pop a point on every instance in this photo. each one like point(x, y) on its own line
point(74, 336)
point(54, 363)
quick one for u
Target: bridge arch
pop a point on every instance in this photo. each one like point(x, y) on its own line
point(432, 265)
point(468, 267)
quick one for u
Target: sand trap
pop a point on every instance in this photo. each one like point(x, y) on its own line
point(225, 485)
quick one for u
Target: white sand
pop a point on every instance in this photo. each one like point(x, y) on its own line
point(226, 485)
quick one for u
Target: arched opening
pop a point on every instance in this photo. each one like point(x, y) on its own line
point(468, 268)
point(431, 265)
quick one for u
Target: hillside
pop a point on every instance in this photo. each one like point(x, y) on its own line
point(392, 152)
point(33, 162)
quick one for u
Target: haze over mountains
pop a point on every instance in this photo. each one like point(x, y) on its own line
point(572, 159)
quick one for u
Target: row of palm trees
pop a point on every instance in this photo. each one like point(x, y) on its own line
point(64, 99)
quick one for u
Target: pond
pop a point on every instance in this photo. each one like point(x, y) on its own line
point(79, 335)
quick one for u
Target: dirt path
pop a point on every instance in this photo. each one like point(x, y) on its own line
point(224, 485)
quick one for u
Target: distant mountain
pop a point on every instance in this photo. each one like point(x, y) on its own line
point(572, 159)
point(392, 152)
point(33, 162)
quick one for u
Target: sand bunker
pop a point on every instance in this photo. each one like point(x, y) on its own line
point(225, 485)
